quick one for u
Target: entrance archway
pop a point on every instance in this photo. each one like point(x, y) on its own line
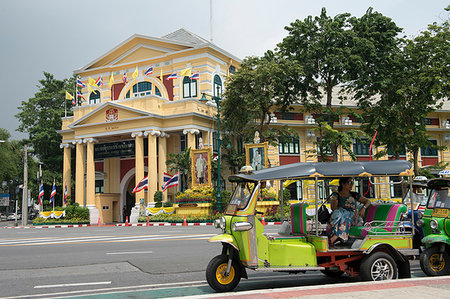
point(127, 199)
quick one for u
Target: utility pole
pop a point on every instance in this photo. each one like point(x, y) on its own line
point(25, 187)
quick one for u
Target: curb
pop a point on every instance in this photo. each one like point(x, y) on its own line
point(123, 224)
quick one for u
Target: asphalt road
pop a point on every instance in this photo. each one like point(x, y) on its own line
point(150, 262)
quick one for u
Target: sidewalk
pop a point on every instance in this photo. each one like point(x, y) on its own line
point(429, 287)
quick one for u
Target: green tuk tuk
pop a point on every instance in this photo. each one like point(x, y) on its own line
point(379, 251)
point(435, 259)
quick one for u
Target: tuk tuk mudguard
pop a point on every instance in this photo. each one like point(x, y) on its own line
point(433, 239)
point(225, 238)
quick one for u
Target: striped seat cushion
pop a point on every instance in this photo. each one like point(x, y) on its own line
point(298, 218)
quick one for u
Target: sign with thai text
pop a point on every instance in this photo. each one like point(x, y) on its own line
point(124, 148)
point(4, 200)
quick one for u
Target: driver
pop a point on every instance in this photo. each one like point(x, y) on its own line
point(343, 203)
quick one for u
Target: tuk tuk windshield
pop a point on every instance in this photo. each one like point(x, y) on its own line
point(242, 194)
point(439, 198)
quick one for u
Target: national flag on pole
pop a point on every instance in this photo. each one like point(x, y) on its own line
point(172, 76)
point(99, 81)
point(124, 78)
point(65, 193)
point(170, 181)
point(186, 72)
point(111, 80)
point(135, 74)
point(80, 83)
point(52, 195)
point(79, 95)
point(41, 194)
point(149, 71)
point(143, 184)
point(195, 76)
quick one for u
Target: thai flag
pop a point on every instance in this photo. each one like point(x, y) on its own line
point(149, 71)
point(80, 83)
point(171, 181)
point(143, 184)
point(65, 194)
point(73, 102)
point(99, 81)
point(195, 76)
point(124, 78)
point(41, 194)
point(172, 76)
point(52, 195)
point(79, 95)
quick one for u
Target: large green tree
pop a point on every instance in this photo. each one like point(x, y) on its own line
point(332, 52)
point(415, 86)
point(41, 117)
point(10, 158)
point(258, 88)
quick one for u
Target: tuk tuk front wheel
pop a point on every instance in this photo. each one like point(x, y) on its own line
point(433, 262)
point(378, 266)
point(217, 277)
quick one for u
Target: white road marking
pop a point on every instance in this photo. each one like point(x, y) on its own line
point(130, 252)
point(72, 284)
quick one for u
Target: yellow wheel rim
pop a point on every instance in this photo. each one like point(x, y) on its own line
point(221, 276)
point(435, 263)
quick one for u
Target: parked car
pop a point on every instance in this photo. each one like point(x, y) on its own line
point(12, 216)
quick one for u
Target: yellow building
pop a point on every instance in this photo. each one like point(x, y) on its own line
point(128, 125)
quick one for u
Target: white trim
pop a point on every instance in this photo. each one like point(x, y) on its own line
point(137, 47)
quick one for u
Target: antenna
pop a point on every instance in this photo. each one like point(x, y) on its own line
point(210, 21)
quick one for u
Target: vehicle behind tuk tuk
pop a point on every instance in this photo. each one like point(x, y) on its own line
point(435, 259)
point(379, 249)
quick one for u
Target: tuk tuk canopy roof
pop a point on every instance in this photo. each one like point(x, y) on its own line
point(330, 169)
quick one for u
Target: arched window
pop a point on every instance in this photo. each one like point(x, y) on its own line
point(157, 92)
point(217, 86)
point(189, 87)
point(142, 89)
point(94, 97)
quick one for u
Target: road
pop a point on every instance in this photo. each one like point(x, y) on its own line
point(158, 262)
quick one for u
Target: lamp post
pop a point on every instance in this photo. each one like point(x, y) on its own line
point(219, 146)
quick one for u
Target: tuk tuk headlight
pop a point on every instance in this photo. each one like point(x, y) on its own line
point(241, 226)
point(220, 223)
point(419, 215)
point(434, 224)
point(420, 222)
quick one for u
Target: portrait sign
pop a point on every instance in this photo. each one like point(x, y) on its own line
point(201, 166)
point(256, 155)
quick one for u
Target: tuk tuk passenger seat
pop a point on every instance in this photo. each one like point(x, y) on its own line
point(379, 219)
point(298, 218)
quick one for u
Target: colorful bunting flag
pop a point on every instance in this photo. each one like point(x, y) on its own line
point(172, 76)
point(170, 181)
point(143, 184)
point(149, 71)
point(52, 195)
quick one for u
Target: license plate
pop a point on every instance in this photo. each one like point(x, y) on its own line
point(440, 213)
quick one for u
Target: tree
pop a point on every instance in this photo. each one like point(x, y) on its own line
point(332, 51)
point(415, 86)
point(10, 159)
point(41, 117)
point(253, 92)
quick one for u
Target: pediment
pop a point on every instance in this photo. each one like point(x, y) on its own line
point(136, 48)
point(109, 113)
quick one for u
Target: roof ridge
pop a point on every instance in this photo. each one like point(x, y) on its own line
point(180, 35)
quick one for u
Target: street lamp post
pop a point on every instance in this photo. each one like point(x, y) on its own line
point(219, 150)
point(219, 147)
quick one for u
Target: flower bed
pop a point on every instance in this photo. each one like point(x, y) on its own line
point(199, 194)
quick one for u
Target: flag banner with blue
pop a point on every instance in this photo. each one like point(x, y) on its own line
point(143, 184)
point(170, 181)
point(172, 76)
point(52, 195)
point(80, 83)
point(149, 71)
point(195, 76)
point(41, 194)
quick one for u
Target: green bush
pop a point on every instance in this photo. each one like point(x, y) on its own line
point(158, 198)
point(74, 214)
point(167, 204)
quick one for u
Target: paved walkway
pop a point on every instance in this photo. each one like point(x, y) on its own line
point(423, 288)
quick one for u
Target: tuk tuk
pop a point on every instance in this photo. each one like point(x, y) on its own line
point(435, 259)
point(419, 200)
point(380, 249)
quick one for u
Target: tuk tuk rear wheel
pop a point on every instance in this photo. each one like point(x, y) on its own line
point(431, 263)
point(216, 274)
point(378, 266)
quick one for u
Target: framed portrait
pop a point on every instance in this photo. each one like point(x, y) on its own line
point(256, 155)
point(201, 166)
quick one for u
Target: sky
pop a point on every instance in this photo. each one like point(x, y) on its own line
point(60, 36)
